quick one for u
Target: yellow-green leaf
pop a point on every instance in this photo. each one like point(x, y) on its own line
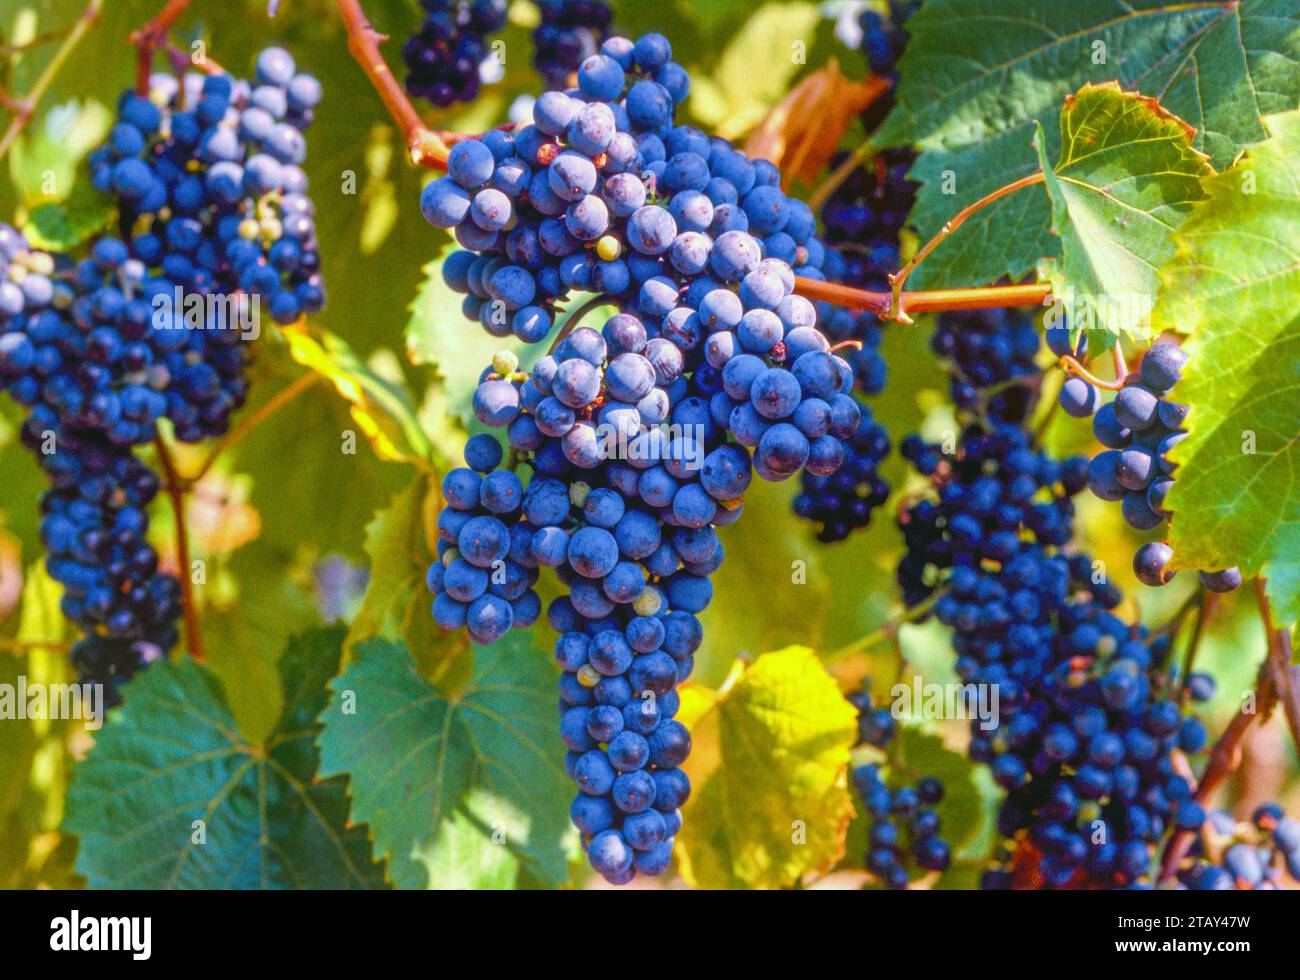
point(1126, 179)
point(1234, 286)
point(771, 752)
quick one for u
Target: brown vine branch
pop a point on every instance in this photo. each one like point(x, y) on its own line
point(899, 278)
point(426, 147)
point(1285, 677)
point(24, 108)
point(148, 38)
point(1223, 760)
point(176, 494)
point(923, 301)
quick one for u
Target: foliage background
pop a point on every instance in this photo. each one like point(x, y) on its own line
point(304, 540)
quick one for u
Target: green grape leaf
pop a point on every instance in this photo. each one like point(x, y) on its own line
point(1234, 286)
point(401, 541)
point(315, 480)
point(172, 756)
point(971, 107)
point(45, 158)
point(463, 793)
point(771, 751)
point(60, 226)
point(1126, 179)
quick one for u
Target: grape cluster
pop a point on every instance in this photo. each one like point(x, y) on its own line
point(1253, 856)
point(991, 356)
point(603, 193)
point(1089, 707)
point(207, 175)
point(1139, 428)
point(214, 220)
point(443, 57)
point(486, 569)
point(890, 851)
point(638, 434)
point(571, 31)
point(884, 37)
point(843, 501)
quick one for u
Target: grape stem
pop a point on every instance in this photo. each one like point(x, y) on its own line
point(250, 422)
point(23, 109)
point(150, 37)
point(575, 318)
point(1275, 682)
point(176, 494)
point(886, 630)
point(427, 147)
point(1208, 606)
point(899, 278)
point(1287, 677)
point(839, 175)
point(1075, 367)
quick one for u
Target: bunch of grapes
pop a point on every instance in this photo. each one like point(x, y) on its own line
point(1090, 707)
point(207, 175)
point(443, 57)
point(1089, 710)
point(842, 502)
point(1139, 428)
point(638, 434)
point(884, 37)
point(893, 847)
point(571, 31)
point(214, 220)
point(991, 357)
point(1255, 856)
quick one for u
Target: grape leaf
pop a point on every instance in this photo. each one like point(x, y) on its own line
point(971, 107)
point(45, 158)
point(315, 481)
point(172, 756)
point(801, 133)
point(381, 407)
point(771, 751)
point(464, 793)
point(1234, 286)
point(1126, 178)
point(401, 541)
point(60, 226)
